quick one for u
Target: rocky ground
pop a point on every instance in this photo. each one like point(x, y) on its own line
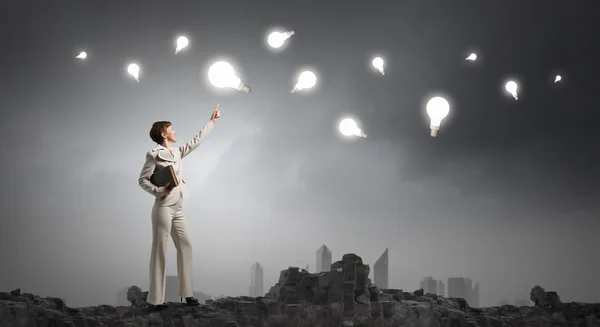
point(343, 296)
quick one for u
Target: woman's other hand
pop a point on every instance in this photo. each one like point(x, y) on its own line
point(216, 114)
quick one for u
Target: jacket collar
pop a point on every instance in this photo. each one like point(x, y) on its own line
point(164, 154)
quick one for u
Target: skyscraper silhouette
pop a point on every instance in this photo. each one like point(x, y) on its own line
point(441, 288)
point(256, 280)
point(457, 288)
point(461, 288)
point(429, 285)
point(381, 271)
point(475, 296)
point(469, 288)
point(323, 259)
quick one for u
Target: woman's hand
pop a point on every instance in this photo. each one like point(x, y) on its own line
point(168, 188)
point(216, 114)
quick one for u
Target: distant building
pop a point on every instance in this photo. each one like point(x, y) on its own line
point(381, 271)
point(429, 285)
point(441, 288)
point(461, 288)
point(475, 296)
point(256, 281)
point(433, 286)
point(323, 259)
point(523, 303)
point(456, 287)
point(503, 302)
point(468, 289)
point(307, 268)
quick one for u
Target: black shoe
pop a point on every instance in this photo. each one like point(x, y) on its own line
point(159, 306)
point(191, 301)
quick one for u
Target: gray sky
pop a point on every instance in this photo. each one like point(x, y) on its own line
point(506, 194)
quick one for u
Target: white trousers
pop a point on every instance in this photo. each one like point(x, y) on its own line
point(169, 220)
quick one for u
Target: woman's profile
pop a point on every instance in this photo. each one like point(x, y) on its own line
point(167, 213)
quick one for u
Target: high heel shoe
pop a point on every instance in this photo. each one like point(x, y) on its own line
point(191, 301)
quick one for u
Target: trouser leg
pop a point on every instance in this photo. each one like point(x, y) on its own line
point(179, 234)
point(161, 228)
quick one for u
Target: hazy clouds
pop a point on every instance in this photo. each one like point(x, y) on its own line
point(273, 181)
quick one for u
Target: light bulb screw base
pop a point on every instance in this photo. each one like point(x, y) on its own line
point(243, 87)
point(434, 130)
point(294, 90)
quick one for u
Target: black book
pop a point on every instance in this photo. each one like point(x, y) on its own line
point(164, 176)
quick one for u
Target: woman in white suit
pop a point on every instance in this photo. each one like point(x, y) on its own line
point(167, 212)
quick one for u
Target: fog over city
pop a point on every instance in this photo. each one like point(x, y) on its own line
point(506, 194)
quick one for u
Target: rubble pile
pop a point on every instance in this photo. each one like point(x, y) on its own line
point(343, 296)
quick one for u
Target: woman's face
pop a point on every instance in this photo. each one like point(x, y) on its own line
point(171, 135)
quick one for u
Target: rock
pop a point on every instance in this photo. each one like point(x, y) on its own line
point(544, 299)
point(338, 265)
point(462, 304)
point(553, 300)
point(538, 296)
point(136, 296)
point(344, 296)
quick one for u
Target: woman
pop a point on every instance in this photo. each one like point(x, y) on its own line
point(167, 214)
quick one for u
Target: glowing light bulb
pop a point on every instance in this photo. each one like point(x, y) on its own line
point(277, 39)
point(437, 109)
point(511, 87)
point(471, 57)
point(378, 63)
point(306, 80)
point(181, 43)
point(221, 75)
point(348, 127)
point(134, 70)
point(557, 79)
point(82, 55)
